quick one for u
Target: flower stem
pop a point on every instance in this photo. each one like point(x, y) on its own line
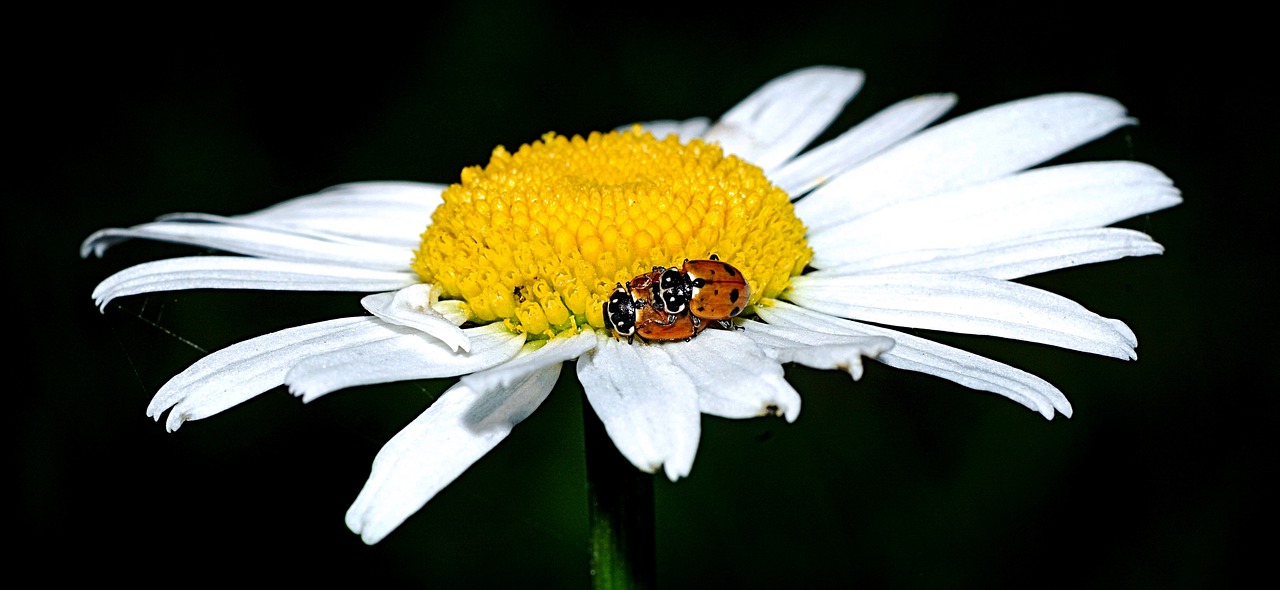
point(620, 511)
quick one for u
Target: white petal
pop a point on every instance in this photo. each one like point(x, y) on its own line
point(819, 350)
point(734, 377)
point(391, 212)
point(1014, 258)
point(780, 118)
point(977, 147)
point(547, 352)
point(380, 212)
point(353, 228)
point(965, 304)
point(913, 353)
point(433, 450)
point(452, 310)
point(685, 130)
point(414, 307)
point(402, 354)
point(259, 242)
point(240, 272)
point(1074, 196)
point(648, 406)
point(243, 370)
point(868, 138)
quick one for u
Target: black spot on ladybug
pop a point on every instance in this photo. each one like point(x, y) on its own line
point(699, 283)
point(733, 296)
point(729, 269)
point(736, 311)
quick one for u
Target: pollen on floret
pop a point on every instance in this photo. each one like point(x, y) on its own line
point(539, 238)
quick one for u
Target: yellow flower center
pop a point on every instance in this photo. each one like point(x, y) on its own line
point(538, 239)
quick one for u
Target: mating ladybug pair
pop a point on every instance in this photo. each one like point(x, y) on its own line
point(677, 303)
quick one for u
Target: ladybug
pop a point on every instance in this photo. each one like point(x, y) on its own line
point(631, 311)
point(653, 321)
point(711, 289)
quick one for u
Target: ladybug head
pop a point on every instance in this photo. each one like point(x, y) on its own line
point(620, 312)
point(674, 290)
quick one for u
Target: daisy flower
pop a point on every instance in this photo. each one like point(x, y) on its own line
point(503, 277)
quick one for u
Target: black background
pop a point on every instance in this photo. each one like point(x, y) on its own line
point(899, 480)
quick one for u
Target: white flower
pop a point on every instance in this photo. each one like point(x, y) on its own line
point(908, 226)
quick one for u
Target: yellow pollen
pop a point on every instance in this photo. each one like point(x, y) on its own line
point(538, 239)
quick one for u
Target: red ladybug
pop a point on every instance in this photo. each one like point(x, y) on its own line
point(653, 322)
point(632, 311)
point(711, 289)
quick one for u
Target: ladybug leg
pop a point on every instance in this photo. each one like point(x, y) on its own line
point(725, 325)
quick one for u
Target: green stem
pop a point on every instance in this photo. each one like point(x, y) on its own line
point(620, 510)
